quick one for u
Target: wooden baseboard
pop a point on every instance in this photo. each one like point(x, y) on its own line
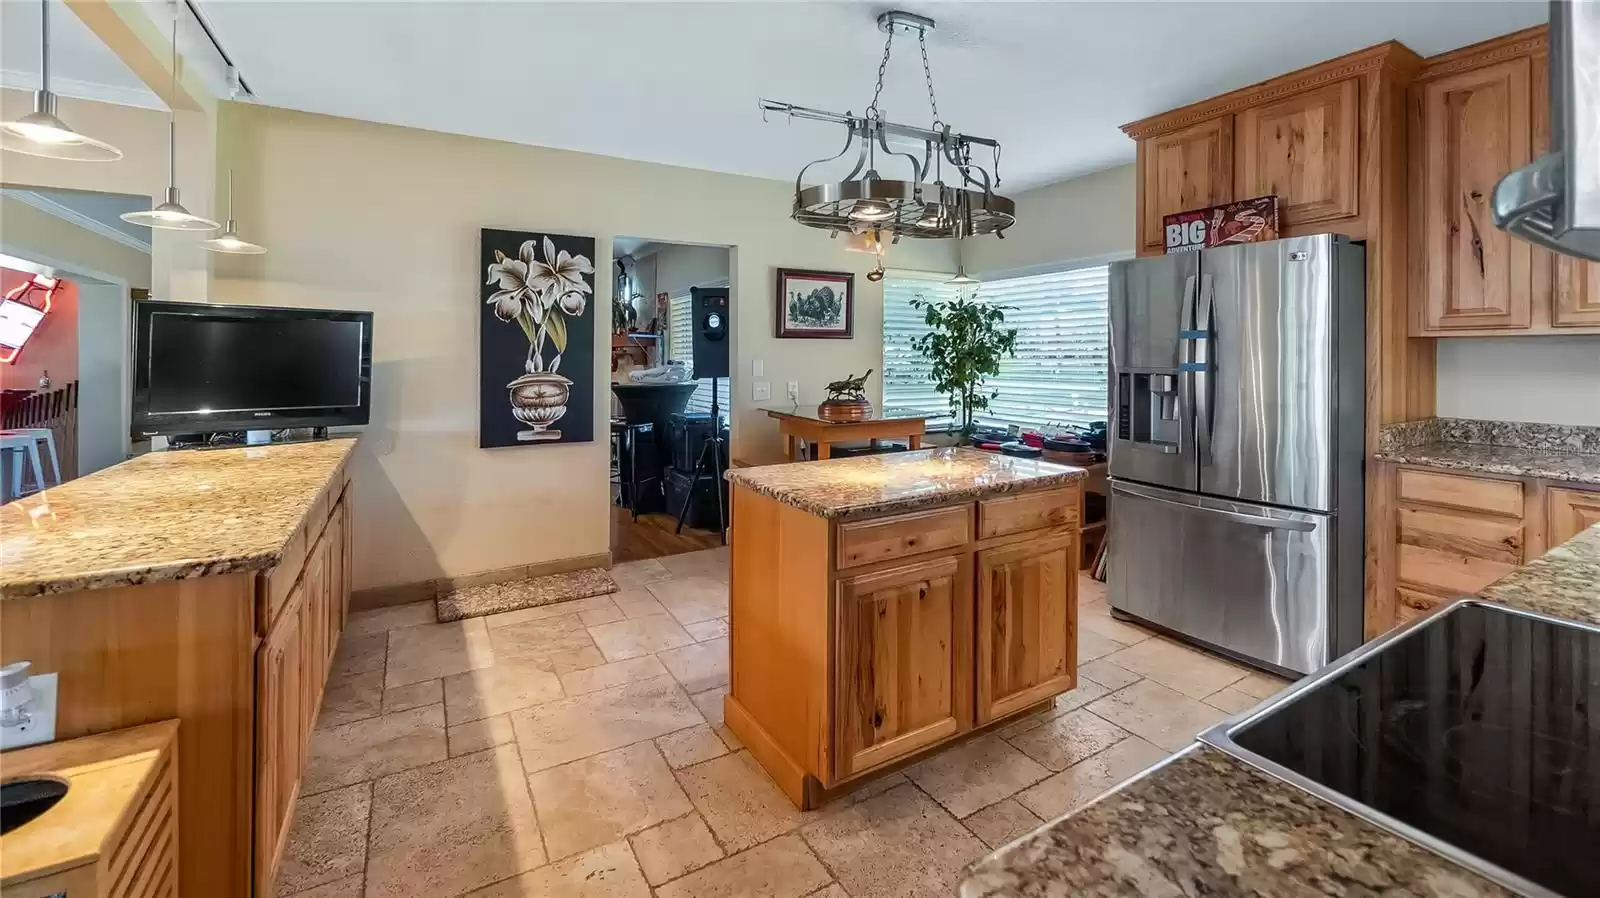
point(427, 590)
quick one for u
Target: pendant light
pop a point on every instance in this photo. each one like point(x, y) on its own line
point(229, 240)
point(962, 279)
point(40, 132)
point(171, 215)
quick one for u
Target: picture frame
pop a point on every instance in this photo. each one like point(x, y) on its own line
point(537, 370)
point(814, 305)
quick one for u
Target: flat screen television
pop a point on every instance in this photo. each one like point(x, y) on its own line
point(199, 367)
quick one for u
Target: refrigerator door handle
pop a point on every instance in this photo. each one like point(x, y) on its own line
point(1235, 516)
point(1201, 366)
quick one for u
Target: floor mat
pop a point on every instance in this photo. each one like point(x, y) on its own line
point(531, 592)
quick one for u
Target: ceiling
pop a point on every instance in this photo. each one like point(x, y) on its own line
point(677, 82)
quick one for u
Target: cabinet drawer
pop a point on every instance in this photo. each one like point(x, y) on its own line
point(863, 542)
point(1449, 572)
point(1006, 515)
point(1502, 497)
point(1410, 604)
point(1492, 539)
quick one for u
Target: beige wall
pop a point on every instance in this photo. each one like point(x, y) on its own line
point(179, 267)
point(39, 236)
point(1090, 217)
point(365, 216)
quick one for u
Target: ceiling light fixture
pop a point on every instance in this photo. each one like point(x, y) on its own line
point(923, 205)
point(229, 240)
point(40, 132)
point(171, 215)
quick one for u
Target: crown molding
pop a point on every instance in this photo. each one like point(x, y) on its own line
point(72, 216)
point(1389, 56)
point(141, 97)
point(1527, 42)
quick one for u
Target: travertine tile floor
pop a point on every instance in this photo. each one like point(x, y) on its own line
point(578, 750)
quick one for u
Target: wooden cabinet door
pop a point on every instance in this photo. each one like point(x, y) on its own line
point(316, 637)
point(903, 661)
point(1476, 127)
point(280, 737)
point(340, 579)
point(1027, 630)
point(1187, 169)
point(1577, 289)
point(1570, 512)
point(1304, 148)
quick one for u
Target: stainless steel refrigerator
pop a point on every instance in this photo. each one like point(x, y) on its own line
point(1237, 398)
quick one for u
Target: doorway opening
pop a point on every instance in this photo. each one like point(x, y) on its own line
point(672, 318)
point(69, 271)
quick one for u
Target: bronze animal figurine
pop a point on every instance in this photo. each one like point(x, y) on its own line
point(850, 387)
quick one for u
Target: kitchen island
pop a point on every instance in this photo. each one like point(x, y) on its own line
point(203, 586)
point(1205, 823)
point(885, 605)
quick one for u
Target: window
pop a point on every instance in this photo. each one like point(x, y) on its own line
point(1060, 374)
point(680, 347)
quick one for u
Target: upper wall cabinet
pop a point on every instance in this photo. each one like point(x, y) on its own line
point(1476, 114)
point(1186, 169)
point(1304, 148)
point(1476, 127)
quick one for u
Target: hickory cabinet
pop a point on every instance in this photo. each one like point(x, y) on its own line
point(1305, 149)
point(1190, 168)
point(292, 667)
point(1455, 534)
point(900, 672)
point(1027, 633)
point(1570, 512)
point(1313, 138)
point(858, 646)
point(1476, 114)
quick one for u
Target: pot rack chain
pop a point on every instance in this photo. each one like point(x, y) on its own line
point(872, 112)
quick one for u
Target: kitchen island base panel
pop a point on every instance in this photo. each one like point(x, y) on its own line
point(806, 791)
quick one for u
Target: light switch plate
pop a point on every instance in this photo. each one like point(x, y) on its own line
point(794, 391)
point(42, 726)
point(763, 391)
point(758, 368)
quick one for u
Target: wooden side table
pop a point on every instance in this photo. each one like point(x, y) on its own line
point(801, 423)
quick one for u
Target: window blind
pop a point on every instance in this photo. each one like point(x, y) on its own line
point(680, 347)
point(1060, 374)
point(907, 376)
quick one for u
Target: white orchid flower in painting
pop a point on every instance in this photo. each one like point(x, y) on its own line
point(559, 274)
point(573, 303)
point(516, 294)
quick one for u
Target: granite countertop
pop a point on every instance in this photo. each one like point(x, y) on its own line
point(1548, 451)
point(164, 516)
point(1205, 823)
point(899, 481)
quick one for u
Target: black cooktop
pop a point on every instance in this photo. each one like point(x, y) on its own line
point(1480, 728)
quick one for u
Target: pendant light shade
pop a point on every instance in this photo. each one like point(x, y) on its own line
point(41, 132)
point(229, 240)
point(171, 215)
point(962, 279)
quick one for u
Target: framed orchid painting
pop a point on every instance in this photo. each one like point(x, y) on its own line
point(536, 365)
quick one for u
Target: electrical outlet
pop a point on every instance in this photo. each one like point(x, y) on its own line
point(794, 391)
point(763, 391)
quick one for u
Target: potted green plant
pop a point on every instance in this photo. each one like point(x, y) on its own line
point(965, 342)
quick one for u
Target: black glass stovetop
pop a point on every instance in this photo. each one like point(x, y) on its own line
point(1480, 728)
